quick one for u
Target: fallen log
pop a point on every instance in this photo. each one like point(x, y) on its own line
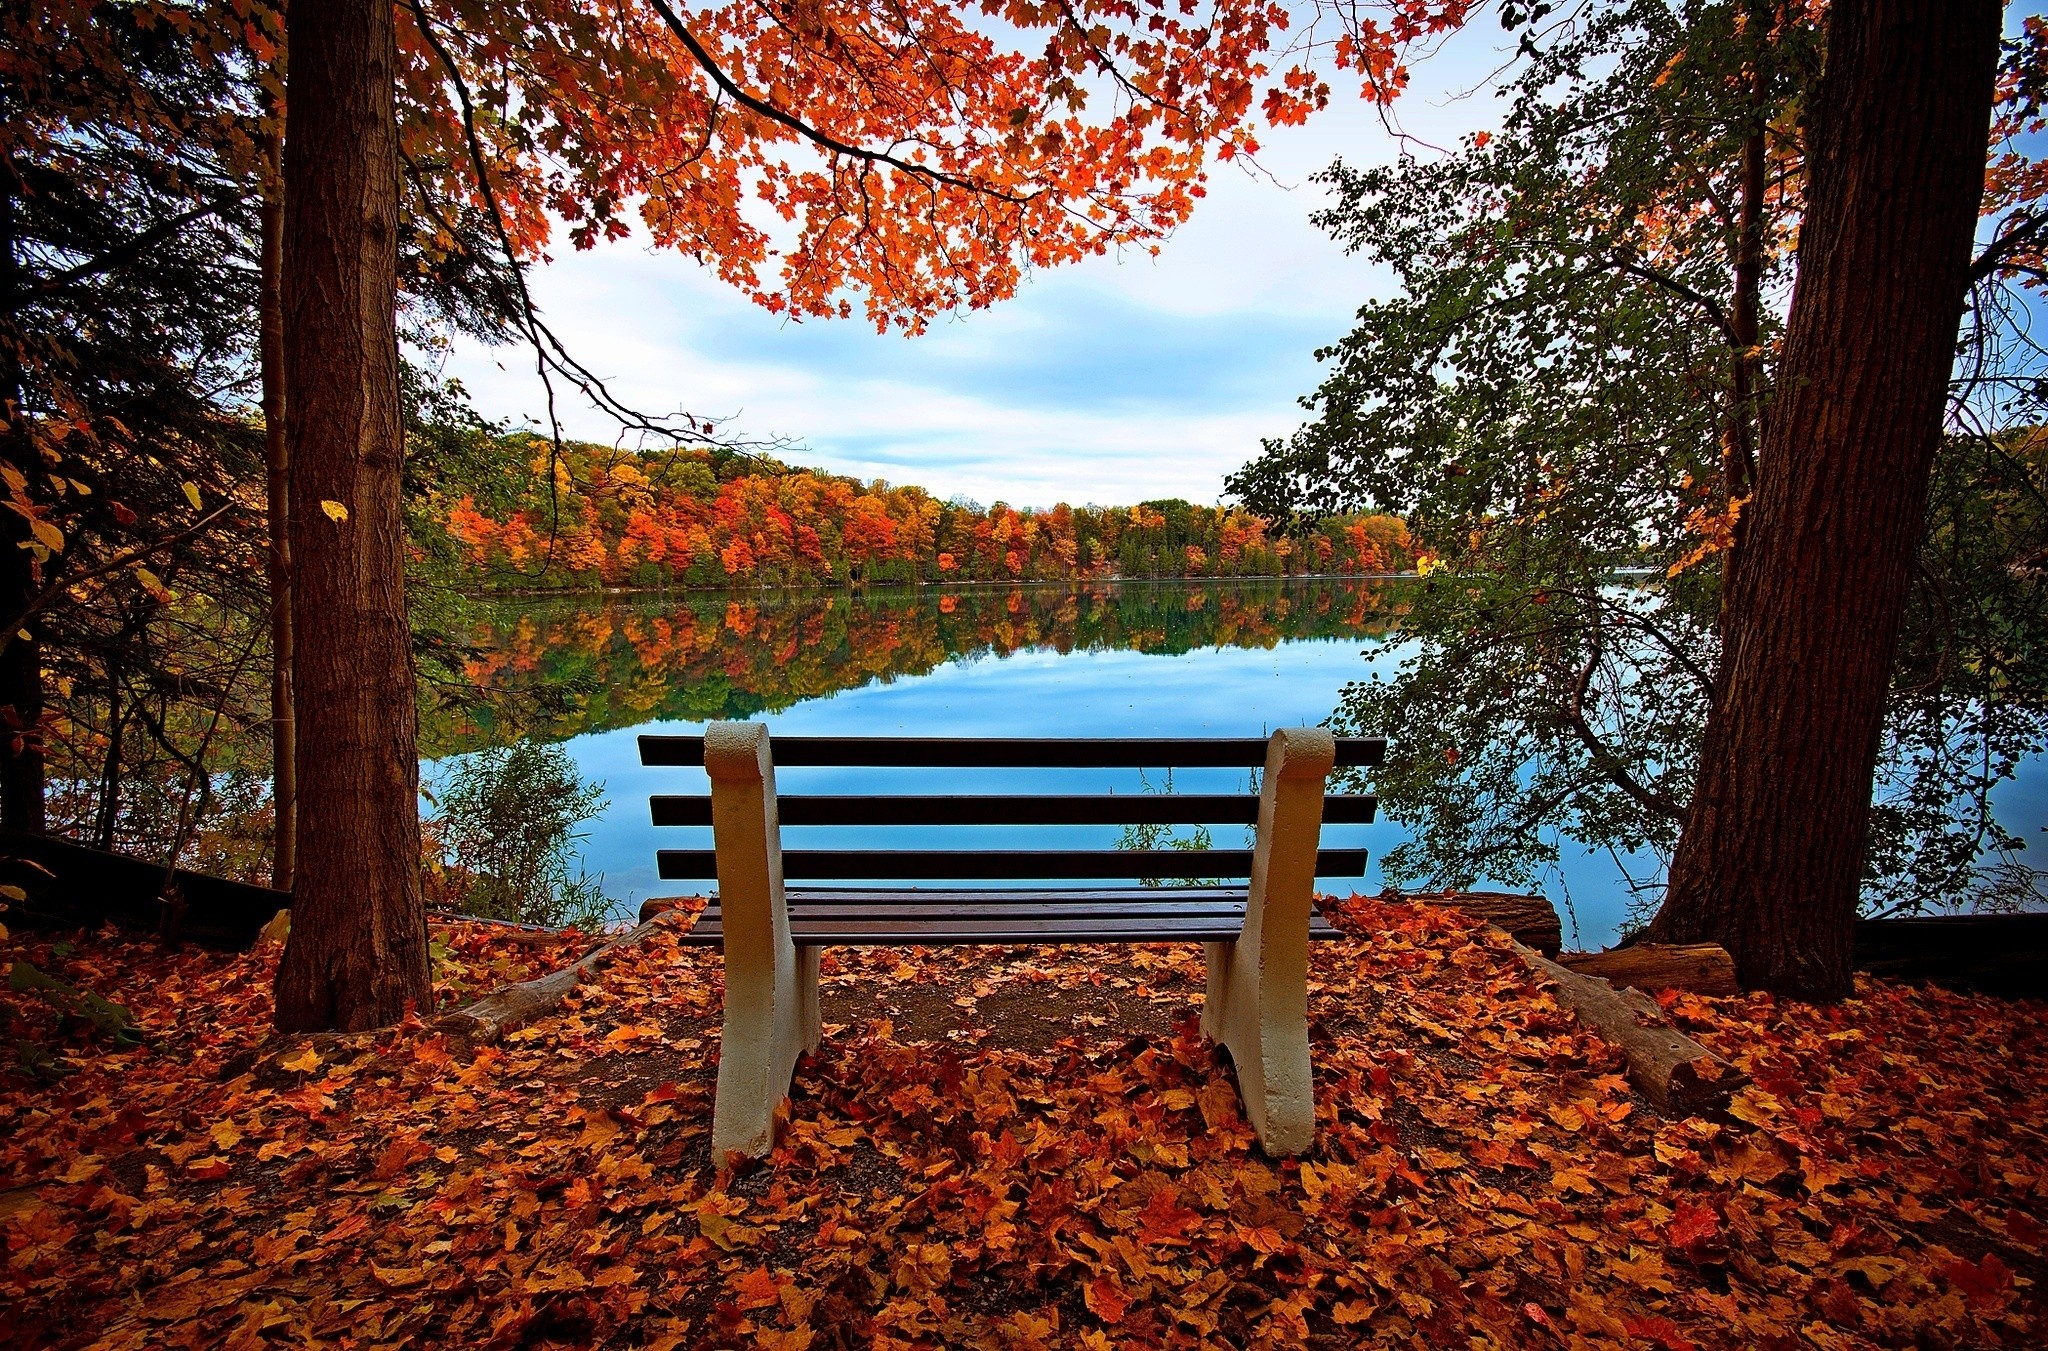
point(68, 885)
point(1526, 919)
point(1991, 954)
point(502, 1010)
point(661, 905)
point(1699, 968)
point(1679, 1076)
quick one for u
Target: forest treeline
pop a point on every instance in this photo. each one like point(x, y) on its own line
point(585, 515)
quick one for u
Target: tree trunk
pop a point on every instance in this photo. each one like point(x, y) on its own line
point(1771, 858)
point(357, 955)
point(284, 795)
point(21, 657)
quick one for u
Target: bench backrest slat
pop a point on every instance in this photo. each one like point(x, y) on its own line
point(684, 864)
point(1036, 809)
point(1013, 752)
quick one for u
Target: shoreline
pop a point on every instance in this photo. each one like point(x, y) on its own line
point(1071, 584)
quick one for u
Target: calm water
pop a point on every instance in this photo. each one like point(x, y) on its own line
point(1129, 659)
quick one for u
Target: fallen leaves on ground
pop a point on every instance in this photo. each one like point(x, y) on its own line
point(1482, 1176)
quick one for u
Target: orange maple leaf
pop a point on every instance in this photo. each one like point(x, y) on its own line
point(1165, 1220)
point(1106, 1298)
point(757, 1289)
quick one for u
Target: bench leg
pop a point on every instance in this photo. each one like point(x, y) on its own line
point(771, 986)
point(810, 1027)
point(1257, 1001)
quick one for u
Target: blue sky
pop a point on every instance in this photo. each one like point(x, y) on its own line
point(1110, 381)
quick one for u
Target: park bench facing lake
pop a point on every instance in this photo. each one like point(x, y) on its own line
point(1256, 935)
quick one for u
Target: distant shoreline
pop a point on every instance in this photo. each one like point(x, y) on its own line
point(544, 593)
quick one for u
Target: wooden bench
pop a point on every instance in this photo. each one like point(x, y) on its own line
point(1256, 933)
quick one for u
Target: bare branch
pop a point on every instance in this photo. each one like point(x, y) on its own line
point(1609, 763)
point(823, 140)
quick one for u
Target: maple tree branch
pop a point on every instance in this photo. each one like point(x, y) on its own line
point(824, 140)
point(1106, 65)
point(2027, 231)
point(1623, 263)
point(550, 352)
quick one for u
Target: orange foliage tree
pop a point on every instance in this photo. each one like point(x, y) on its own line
point(900, 159)
point(690, 517)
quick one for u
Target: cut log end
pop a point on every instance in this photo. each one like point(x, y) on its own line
point(1529, 920)
point(1679, 1076)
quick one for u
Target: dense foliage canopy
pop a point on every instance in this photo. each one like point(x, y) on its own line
point(1563, 401)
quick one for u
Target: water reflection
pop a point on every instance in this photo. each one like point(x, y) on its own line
point(622, 661)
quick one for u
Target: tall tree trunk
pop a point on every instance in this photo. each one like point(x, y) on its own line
point(1771, 858)
point(284, 795)
point(110, 765)
point(21, 659)
point(1738, 447)
point(357, 954)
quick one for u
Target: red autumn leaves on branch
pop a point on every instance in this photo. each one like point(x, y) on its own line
point(921, 155)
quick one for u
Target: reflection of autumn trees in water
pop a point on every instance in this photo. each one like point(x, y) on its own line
point(730, 655)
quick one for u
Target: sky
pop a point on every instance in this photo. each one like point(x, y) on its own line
point(1111, 381)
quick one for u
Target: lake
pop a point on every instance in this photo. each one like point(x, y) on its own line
point(1168, 658)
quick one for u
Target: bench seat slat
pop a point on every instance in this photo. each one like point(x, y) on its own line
point(1013, 752)
point(939, 897)
point(912, 916)
point(810, 864)
point(1107, 910)
point(798, 809)
point(855, 931)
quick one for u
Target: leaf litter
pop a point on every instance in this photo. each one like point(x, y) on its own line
point(1015, 1148)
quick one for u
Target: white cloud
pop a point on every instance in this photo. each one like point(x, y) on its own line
point(1110, 381)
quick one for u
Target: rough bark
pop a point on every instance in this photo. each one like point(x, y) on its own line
point(1679, 1076)
point(1771, 857)
point(21, 658)
point(284, 795)
point(357, 955)
point(1527, 919)
point(1698, 968)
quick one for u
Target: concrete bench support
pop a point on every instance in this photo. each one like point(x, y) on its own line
point(1257, 1004)
point(771, 985)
